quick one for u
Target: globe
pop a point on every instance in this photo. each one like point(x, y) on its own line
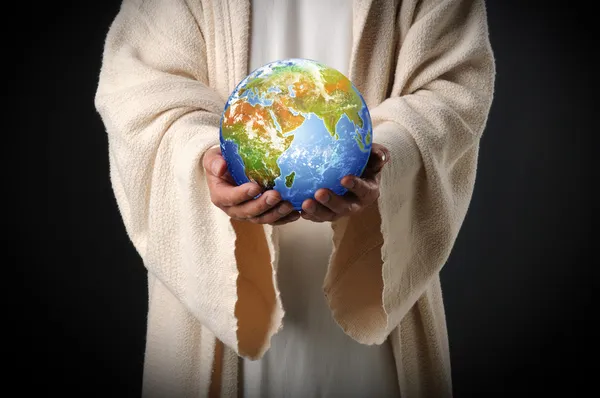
point(295, 126)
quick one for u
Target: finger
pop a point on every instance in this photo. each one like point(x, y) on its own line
point(341, 205)
point(379, 155)
point(256, 207)
point(293, 216)
point(365, 190)
point(310, 217)
point(216, 169)
point(307, 216)
point(213, 162)
point(378, 158)
point(317, 210)
point(281, 210)
point(217, 174)
point(223, 194)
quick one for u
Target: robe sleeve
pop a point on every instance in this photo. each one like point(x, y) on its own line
point(161, 116)
point(386, 257)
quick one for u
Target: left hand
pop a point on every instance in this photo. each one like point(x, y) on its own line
point(362, 191)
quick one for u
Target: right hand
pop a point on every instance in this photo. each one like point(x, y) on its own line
point(238, 201)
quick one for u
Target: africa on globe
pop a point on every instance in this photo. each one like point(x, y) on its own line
point(296, 126)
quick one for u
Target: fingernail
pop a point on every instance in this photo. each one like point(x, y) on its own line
point(350, 183)
point(311, 208)
point(382, 155)
point(215, 166)
point(271, 200)
point(324, 197)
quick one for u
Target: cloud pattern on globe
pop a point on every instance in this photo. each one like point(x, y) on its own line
point(296, 126)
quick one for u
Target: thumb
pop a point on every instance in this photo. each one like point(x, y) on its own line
point(380, 155)
point(214, 163)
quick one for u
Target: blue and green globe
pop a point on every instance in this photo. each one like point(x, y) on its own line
point(296, 126)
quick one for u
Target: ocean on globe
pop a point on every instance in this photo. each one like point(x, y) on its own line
point(296, 126)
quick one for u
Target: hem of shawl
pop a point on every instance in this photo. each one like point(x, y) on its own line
point(397, 191)
point(187, 169)
point(405, 162)
point(278, 314)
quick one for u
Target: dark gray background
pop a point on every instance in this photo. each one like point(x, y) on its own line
point(518, 286)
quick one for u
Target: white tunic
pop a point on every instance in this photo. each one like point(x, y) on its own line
point(310, 356)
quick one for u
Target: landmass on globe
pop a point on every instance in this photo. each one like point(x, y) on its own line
point(296, 125)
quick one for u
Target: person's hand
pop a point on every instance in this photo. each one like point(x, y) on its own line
point(238, 201)
point(362, 192)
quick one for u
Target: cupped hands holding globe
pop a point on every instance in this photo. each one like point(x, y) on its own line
point(295, 140)
point(239, 201)
point(362, 191)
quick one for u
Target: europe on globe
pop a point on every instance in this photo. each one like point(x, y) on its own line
point(296, 126)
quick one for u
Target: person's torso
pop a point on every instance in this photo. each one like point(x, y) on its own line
point(310, 356)
point(320, 30)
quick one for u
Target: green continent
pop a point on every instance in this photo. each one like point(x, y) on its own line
point(329, 98)
point(259, 157)
point(289, 179)
point(359, 140)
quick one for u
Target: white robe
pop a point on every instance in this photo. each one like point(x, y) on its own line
point(426, 70)
point(310, 356)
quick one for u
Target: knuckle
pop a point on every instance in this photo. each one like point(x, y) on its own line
point(246, 216)
point(255, 213)
point(317, 216)
point(369, 191)
point(259, 218)
point(274, 216)
point(271, 218)
point(263, 206)
point(228, 200)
